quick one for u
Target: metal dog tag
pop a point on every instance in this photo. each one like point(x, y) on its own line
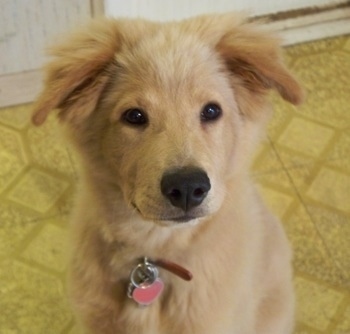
point(145, 286)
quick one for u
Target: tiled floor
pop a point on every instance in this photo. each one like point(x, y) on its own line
point(303, 169)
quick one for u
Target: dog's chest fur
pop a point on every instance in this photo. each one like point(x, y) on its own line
point(216, 291)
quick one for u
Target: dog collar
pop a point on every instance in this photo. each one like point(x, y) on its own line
point(145, 285)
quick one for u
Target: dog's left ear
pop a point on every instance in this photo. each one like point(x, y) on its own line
point(76, 76)
point(255, 57)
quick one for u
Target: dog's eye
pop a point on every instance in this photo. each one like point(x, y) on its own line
point(210, 112)
point(135, 117)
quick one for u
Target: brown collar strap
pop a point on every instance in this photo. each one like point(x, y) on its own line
point(173, 268)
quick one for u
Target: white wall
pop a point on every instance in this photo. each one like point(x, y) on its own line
point(177, 9)
point(27, 27)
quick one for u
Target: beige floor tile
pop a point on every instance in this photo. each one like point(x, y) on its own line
point(344, 325)
point(15, 224)
point(347, 45)
point(266, 161)
point(47, 148)
point(12, 157)
point(74, 330)
point(17, 117)
point(331, 188)
point(334, 228)
point(306, 137)
point(49, 247)
point(292, 159)
point(318, 47)
point(277, 201)
point(325, 76)
point(282, 114)
point(38, 190)
point(302, 176)
point(268, 170)
point(31, 302)
point(316, 304)
point(339, 156)
point(311, 253)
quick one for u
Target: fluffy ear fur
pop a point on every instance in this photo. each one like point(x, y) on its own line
point(255, 57)
point(80, 70)
point(252, 56)
point(76, 76)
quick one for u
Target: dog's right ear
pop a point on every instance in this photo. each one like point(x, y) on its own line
point(77, 75)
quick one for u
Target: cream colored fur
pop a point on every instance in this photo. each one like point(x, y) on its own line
point(236, 249)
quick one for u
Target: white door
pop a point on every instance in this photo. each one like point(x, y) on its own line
point(27, 28)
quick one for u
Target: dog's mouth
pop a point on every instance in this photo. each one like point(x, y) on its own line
point(182, 219)
point(163, 218)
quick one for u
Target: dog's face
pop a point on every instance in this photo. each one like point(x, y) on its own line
point(163, 112)
point(172, 129)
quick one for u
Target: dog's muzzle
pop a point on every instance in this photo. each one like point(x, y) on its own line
point(185, 188)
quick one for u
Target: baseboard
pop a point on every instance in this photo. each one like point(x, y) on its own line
point(294, 27)
point(311, 24)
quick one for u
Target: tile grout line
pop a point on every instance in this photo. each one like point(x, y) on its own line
point(299, 196)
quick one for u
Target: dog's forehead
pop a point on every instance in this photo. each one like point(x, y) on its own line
point(170, 58)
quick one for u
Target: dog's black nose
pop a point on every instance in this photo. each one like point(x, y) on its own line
point(186, 187)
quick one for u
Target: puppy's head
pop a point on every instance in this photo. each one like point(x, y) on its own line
point(166, 113)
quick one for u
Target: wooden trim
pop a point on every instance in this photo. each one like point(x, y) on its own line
point(19, 88)
point(97, 8)
point(308, 20)
point(312, 25)
point(315, 32)
point(305, 11)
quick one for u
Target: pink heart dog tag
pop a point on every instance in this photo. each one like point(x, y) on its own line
point(146, 294)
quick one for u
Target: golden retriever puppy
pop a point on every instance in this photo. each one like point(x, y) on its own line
point(165, 118)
